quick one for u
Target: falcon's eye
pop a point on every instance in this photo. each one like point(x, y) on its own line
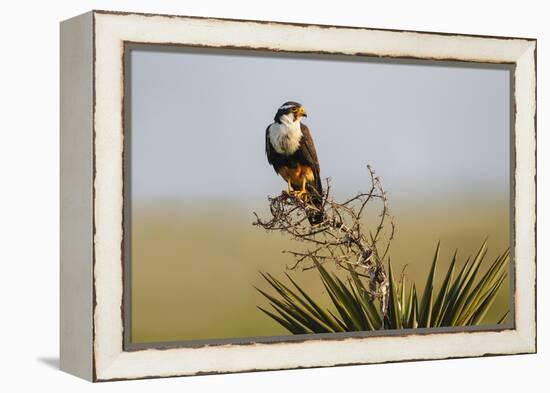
point(294, 110)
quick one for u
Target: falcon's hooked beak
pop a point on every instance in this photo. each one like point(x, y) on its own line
point(302, 112)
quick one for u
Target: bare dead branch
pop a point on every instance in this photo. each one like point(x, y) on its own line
point(339, 238)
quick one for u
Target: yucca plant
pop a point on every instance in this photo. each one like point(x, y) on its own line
point(460, 300)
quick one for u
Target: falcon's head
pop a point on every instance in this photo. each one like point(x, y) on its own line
point(290, 111)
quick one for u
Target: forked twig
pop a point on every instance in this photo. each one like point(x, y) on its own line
point(339, 238)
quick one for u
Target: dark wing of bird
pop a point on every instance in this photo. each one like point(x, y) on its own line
point(269, 151)
point(309, 153)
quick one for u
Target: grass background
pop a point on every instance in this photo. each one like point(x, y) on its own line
point(193, 269)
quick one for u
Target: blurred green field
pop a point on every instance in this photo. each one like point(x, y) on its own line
point(193, 271)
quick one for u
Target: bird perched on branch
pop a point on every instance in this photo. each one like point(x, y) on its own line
point(291, 151)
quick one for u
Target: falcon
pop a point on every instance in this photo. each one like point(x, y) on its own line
point(291, 151)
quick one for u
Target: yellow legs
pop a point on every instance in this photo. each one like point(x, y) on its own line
point(302, 194)
point(289, 189)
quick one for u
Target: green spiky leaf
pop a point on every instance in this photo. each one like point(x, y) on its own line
point(464, 300)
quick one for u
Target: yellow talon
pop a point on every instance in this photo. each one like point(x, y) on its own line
point(289, 189)
point(303, 194)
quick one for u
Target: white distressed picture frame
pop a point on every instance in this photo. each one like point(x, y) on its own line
point(92, 203)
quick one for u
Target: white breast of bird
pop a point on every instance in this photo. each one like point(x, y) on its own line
point(285, 136)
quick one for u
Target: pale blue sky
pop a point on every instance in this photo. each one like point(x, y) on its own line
point(198, 125)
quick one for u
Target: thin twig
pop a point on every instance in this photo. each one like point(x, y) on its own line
point(339, 237)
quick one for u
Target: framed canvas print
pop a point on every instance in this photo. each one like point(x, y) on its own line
point(246, 195)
